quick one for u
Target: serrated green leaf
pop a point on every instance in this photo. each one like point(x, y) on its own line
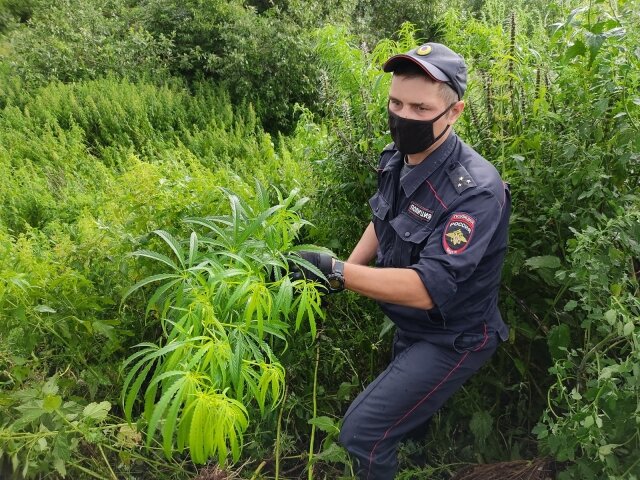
point(193, 249)
point(546, 261)
point(156, 256)
point(97, 411)
point(196, 431)
point(558, 340)
point(185, 422)
point(50, 387)
point(540, 431)
point(170, 422)
point(60, 467)
point(135, 389)
point(481, 426)
point(324, 423)
point(146, 281)
point(210, 223)
point(161, 406)
point(173, 244)
point(51, 403)
point(610, 316)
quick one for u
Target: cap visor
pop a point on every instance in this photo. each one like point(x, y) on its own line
point(434, 72)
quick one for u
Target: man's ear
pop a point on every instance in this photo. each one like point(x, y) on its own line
point(456, 111)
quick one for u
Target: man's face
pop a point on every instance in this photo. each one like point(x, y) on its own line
point(416, 98)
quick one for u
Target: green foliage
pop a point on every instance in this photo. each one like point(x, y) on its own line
point(13, 12)
point(82, 39)
point(99, 147)
point(592, 418)
point(377, 21)
point(222, 305)
point(263, 59)
point(44, 431)
point(40, 431)
point(66, 137)
point(89, 170)
point(354, 92)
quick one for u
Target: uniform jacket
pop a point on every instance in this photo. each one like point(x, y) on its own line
point(447, 219)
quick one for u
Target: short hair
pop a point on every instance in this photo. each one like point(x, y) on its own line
point(409, 69)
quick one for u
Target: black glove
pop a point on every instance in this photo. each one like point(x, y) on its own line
point(321, 262)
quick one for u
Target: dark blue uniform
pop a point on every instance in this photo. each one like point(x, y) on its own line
point(447, 219)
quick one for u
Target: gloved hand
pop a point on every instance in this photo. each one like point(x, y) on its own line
point(320, 262)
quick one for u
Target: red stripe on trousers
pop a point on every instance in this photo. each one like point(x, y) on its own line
point(425, 398)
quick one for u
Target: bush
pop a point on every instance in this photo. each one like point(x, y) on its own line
point(263, 59)
point(73, 40)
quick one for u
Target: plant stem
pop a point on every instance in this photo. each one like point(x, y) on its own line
point(260, 467)
point(624, 475)
point(315, 407)
point(611, 338)
point(85, 470)
point(278, 431)
point(107, 462)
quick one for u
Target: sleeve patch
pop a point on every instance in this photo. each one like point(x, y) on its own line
point(458, 232)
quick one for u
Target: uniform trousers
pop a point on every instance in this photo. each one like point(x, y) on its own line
point(424, 372)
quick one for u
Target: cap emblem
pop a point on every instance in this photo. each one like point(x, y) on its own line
point(424, 50)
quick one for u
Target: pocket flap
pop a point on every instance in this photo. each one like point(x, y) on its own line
point(379, 205)
point(411, 230)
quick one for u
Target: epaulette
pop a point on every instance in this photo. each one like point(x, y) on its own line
point(460, 178)
point(385, 155)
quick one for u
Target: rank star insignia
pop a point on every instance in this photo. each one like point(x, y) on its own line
point(458, 233)
point(460, 178)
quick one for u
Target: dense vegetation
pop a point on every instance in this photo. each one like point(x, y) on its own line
point(162, 159)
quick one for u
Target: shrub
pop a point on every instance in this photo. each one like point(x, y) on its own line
point(73, 40)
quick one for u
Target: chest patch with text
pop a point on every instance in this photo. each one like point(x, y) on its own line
point(420, 212)
point(458, 232)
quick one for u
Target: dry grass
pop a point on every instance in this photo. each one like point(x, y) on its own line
point(537, 469)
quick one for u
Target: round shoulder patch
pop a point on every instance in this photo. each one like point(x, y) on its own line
point(458, 232)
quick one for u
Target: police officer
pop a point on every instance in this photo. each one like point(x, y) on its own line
point(438, 235)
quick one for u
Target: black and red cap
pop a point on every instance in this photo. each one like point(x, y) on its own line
point(440, 63)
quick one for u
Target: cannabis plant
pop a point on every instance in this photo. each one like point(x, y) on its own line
point(224, 304)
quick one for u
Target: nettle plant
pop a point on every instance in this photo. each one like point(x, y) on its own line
point(224, 305)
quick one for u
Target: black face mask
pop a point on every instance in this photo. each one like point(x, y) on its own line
point(414, 136)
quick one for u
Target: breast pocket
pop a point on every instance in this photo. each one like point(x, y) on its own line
point(410, 237)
